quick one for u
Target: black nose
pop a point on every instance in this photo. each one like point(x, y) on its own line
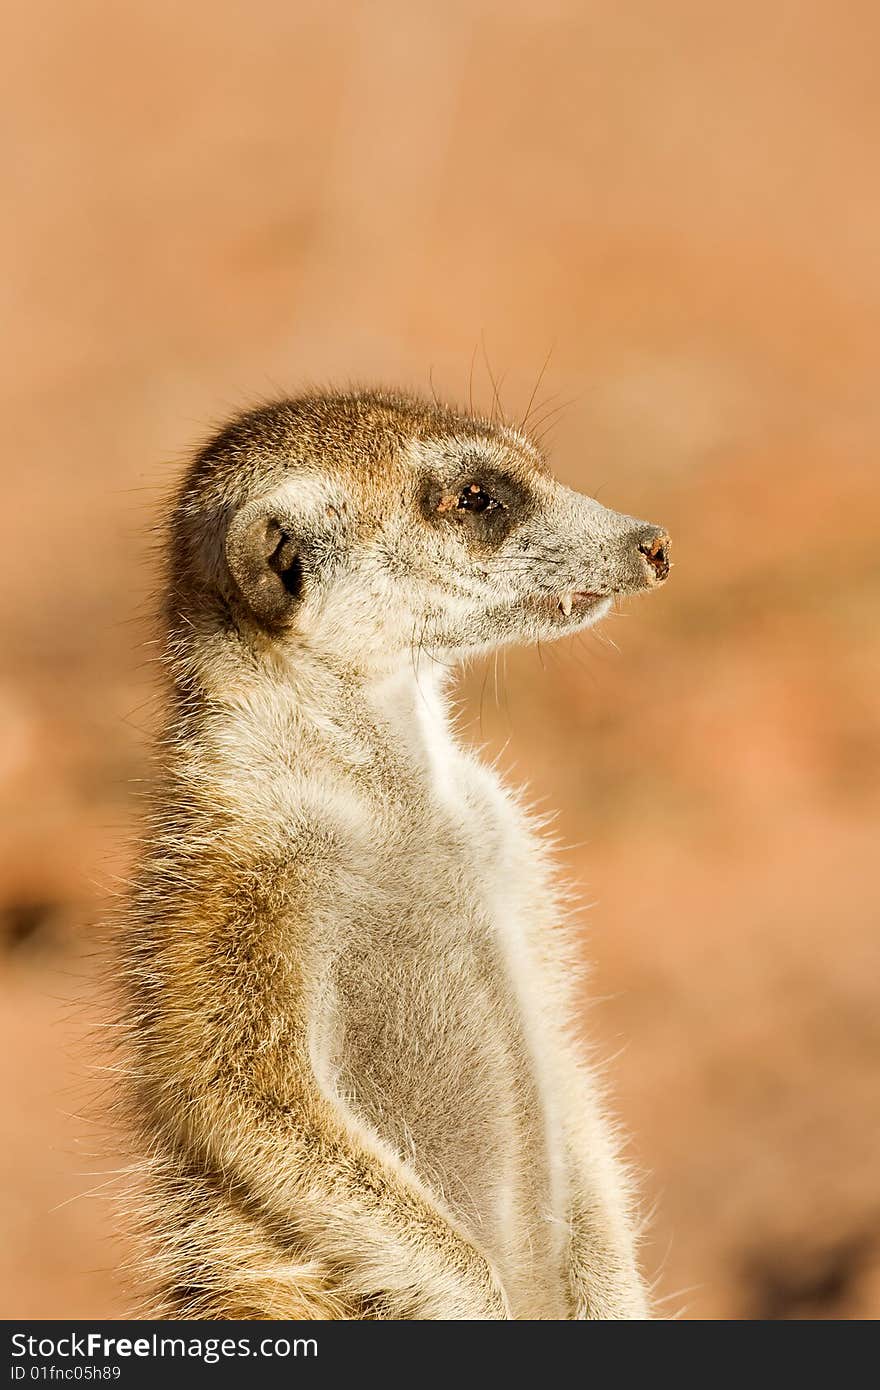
point(654, 545)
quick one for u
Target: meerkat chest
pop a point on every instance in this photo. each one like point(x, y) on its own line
point(438, 1043)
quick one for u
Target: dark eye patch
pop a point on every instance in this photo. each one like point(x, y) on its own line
point(485, 503)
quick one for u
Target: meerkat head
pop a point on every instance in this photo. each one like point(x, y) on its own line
point(368, 526)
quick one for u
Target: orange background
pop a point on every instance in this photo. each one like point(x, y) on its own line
point(212, 203)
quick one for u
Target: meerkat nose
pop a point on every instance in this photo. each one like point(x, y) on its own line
point(653, 544)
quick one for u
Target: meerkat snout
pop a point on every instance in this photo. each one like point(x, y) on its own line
point(636, 558)
point(654, 545)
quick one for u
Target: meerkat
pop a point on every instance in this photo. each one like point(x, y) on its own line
point(346, 966)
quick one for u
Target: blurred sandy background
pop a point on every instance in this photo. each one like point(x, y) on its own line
point(215, 202)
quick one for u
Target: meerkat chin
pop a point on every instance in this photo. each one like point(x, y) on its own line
point(347, 984)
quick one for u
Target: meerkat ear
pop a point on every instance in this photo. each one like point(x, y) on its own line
point(264, 561)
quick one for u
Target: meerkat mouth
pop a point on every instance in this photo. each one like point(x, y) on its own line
point(577, 600)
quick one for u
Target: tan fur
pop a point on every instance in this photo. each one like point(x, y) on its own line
point(345, 964)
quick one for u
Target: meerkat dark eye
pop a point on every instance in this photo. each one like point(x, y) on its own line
point(477, 499)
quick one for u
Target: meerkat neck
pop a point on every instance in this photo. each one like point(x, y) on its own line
point(307, 706)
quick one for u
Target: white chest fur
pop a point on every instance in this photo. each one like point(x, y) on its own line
point(437, 1034)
